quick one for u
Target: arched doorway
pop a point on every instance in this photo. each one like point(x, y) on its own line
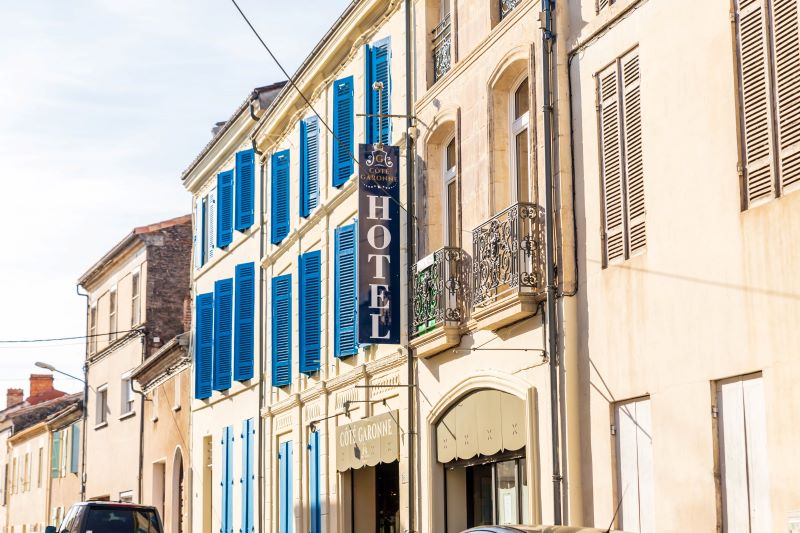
point(176, 518)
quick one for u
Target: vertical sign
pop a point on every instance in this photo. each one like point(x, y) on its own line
point(378, 244)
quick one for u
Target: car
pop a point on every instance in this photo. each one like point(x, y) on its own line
point(109, 517)
point(537, 529)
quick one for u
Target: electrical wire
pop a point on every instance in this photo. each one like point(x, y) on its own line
point(15, 341)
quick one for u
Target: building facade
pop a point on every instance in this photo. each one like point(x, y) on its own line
point(66, 461)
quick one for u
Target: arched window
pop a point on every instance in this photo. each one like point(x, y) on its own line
point(450, 196)
point(519, 141)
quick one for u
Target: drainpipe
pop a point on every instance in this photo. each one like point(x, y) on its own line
point(85, 396)
point(261, 290)
point(143, 335)
point(548, 39)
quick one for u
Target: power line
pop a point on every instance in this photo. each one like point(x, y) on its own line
point(15, 341)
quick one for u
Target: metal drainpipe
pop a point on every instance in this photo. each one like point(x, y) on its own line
point(550, 317)
point(85, 412)
point(143, 334)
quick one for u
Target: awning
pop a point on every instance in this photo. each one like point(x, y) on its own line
point(368, 442)
point(485, 422)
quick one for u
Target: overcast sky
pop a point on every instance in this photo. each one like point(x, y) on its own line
point(102, 104)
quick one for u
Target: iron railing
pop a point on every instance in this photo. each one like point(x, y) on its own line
point(508, 254)
point(439, 290)
point(442, 48)
point(507, 6)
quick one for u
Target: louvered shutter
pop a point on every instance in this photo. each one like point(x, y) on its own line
point(346, 304)
point(634, 168)
point(282, 330)
point(280, 196)
point(244, 318)
point(379, 103)
point(787, 91)
point(55, 456)
point(310, 298)
point(314, 493)
point(245, 189)
point(226, 484)
point(611, 166)
point(311, 164)
point(223, 333)
point(759, 174)
point(211, 228)
point(203, 345)
point(75, 448)
point(224, 234)
point(602, 4)
point(343, 126)
point(285, 507)
point(248, 436)
point(197, 239)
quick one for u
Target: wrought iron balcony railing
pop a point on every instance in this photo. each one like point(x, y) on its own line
point(508, 254)
point(507, 6)
point(439, 290)
point(442, 48)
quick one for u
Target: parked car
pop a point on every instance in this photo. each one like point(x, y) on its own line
point(537, 529)
point(109, 517)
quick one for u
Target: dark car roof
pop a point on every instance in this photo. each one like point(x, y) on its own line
point(103, 503)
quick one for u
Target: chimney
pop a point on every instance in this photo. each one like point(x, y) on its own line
point(41, 383)
point(187, 313)
point(13, 397)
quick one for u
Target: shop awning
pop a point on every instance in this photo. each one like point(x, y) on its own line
point(485, 422)
point(368, 442)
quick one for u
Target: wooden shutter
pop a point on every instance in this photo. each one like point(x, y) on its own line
point(379, 70)
point(245, 187)
point(75, 448)
point(285, 503)
point(211, 228)
point(282, 330)
point(786, 34)
point(611, 166)
point(203, 345)
point(309, 165)
point(226, 518)
point(197, 239)
point(343, 125)
point(248, 476)
point(244, 318)
point(224, 234)
point(314, 493)
point(55, 456)
point(223, 333)
point(280, 196)
point(310, 300)
point(345, 292)
point(634, 167)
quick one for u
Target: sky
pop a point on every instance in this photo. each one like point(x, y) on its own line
point(103, 103)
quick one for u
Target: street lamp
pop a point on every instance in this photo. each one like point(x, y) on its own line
point(51, 368)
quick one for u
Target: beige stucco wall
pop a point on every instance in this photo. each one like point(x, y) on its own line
point(65, 489)
point(27, 507)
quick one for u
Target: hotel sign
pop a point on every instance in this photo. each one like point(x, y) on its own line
point(368, 442)
point(378, 244)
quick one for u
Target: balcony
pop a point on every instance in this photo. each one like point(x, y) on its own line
point(442, 49)
point(439, 308)
point(507, 6)
point(508, 266)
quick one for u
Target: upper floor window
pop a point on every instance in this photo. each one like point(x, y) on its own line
point(126, 394)
point(101, 404)
point(519, 141)
point(442, 42)
point(112, 315)
point(92, 344)
point(450, 194)
point(507, 6)
point(136, 311)
point(602, 4)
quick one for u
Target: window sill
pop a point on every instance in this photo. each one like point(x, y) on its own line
point(101, 425)
point(129, 414)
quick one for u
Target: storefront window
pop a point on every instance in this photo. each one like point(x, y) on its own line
point(495, 493)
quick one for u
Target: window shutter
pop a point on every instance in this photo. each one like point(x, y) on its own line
point(55, 457)
point(611, 166)
point(314, 495)
point(280, 196)
point(248, 432)
point(245, 186)
point(759, 175)
point(203, 345)
point(76, 448)
point(787, 90)
point(244, 340)
point(346, 305)
point(378, 70)
point(285, 504)
point(198, 233)
point(282, 330)
point(343, 126)
point(224, 234)
point(304, 209)
point(310, 288)
point(309, 165)
point(226, 519)
point(211, 229)
point(634, 168)
point(223, 331)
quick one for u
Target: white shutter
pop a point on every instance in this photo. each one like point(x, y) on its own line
point(644, 456)
point(733, 458)
point(755, 427)
point(634, 166)
point(198, 231)
point(611, 166)
point(787, 91)
point(211, 237)
point(627, 469)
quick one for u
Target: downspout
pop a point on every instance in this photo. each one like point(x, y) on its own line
point(550, 257)
point(85, 410)
point(143, 335)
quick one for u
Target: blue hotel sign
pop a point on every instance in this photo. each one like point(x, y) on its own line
point(378, 244)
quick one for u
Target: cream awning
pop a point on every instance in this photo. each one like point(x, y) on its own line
point(485, 422)
point(368, 442)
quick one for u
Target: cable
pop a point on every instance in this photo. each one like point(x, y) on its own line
point(70, 338)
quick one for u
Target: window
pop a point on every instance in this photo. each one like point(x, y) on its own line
point(39, 468)
point(112, 315)
point(280, 196)
point(343, 125)
point(92, 341)
point(204, 231)
point(602, 4)
point(282, 330)
point(310, 309)
point(769, 65)
point(345, 292)
point(378, 70)
point(176, 401)
point(136, 310)
point(211, 225)
point(224, 235)
point(244, 320)
point(441, 42)
point(245, 189)
point(285, 492)
point(743, 458)
point(621, 161)
point(55, 455)
point(75, 448)
point(26, 474)
point(309, 166)
point(126, 395)
point(101, 404)
point(223, 332)
point(507, 6)
point(14, 475)
point(634, 450)
point(450, 194)
point(204, 345)
point(64, 452)
point(519, 141)
point(497, 492)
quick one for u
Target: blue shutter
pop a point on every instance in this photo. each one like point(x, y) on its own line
point(346, 304)
point(282, 330)
point(226, 516)
point(343, 126)
point(377, 69)
point(314, 493)
point(55, 455)
point(224, 208)
point(285, 507)
point(76, 448)
point(309, 165)
point(248, 432)
point(280, 196)
point(203, 345)
point(223, 331)
point(245, 187)
point(310, 304)
point(244, 340)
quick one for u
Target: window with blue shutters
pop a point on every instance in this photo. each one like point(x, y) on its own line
point(244, 319)
point(314, 492)
point(248, 476)
point(309, 165)
point(55, 456)
point(245, 189)
point(343, 127)
point(345, 292)
point(285, 508)
point(282, 330)
point(226, 484)
point(203, 345)
point(211, 225)
point(224, 234)
point(310, 305)
point(75, 448)
point(280, 196)
point(377, 68)
point(223, 333)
